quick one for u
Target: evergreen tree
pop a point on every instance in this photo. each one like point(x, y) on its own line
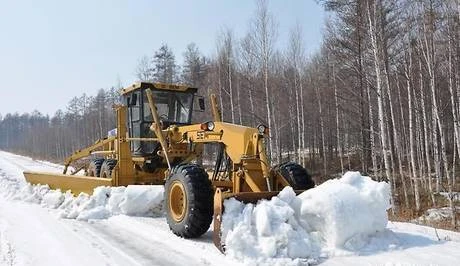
point(194, 68)
point(164, 65)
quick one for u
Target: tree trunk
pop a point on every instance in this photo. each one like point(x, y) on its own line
point(302, 135)
point(321, 125)
point(297, 105)
point(411, 146)
point(427, 137)
point(400, 149)
point(381, 118)
point(337, 120)
point(372, 132)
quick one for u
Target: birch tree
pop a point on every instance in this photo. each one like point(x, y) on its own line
point(371, 14)
point(263, 32)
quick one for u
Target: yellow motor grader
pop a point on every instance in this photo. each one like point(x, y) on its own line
point(155, 143)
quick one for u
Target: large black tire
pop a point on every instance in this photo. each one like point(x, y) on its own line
point(94, 167)
point(296, 175)
point(107, 167)
point(189, 201)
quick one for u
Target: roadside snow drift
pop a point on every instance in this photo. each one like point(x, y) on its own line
point(338, 216)
point(134, 200)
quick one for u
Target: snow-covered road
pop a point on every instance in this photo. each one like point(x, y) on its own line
point(31, 234)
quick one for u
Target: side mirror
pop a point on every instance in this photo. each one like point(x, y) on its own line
point(201, 104)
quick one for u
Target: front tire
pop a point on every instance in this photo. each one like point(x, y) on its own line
point(189, 201)
point(107, 167)
point(296, 176)
point(94, 167)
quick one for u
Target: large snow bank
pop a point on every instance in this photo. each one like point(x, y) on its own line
point(346, 211)
point(134, 200)
point(339, 216)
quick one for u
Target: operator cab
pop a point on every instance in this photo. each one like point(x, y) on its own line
point(174, 104)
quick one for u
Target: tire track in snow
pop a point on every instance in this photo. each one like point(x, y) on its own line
point(201, 251)
point(7, 252)
point(132, 249)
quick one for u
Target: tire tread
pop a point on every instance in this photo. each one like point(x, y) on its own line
point(297, 176)
point(200, 201)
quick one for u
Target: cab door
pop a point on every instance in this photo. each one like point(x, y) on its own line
point(134, 121)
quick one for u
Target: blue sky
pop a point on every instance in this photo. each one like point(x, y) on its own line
point(51, 50)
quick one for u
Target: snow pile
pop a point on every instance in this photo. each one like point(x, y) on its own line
point(134, 200)
point(339, 216)
point(346, 211)
point(436, 215)
point(270, 229)
point(9, 186)
point(455, 196)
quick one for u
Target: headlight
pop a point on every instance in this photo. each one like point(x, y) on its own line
point(263, 129)
point(211, 125)
point(208, 126)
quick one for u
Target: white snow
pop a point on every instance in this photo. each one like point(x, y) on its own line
point(346, 211)
point(452, 195)
point(107, 201)
point(436, 215)
point(32, 233)
point(135, 200)
point(141, 200)
point(341, 217)
point(341, 222)
point(255, 234)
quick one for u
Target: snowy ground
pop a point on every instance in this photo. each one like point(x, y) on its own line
point(436, 215)
point(40, 234)
point(31, 234)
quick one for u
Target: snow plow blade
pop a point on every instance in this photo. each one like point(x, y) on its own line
point(75, 184)
point(245, 197)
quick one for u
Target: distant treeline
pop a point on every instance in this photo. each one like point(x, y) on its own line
point(86, 119)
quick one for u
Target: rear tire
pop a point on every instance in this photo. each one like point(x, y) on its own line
point(189, 201)
point(94, 167)
point(107, 167)
point(297, 176)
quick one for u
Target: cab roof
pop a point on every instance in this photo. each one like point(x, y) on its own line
point(157, 86)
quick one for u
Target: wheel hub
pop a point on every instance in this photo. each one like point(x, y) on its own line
point(177, 201)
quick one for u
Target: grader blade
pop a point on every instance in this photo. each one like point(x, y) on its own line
point(245, 197)
point(75, 184)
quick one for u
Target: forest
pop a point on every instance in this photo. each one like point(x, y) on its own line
point(381, 96)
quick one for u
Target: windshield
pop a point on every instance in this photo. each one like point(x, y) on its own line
point(171, 106)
